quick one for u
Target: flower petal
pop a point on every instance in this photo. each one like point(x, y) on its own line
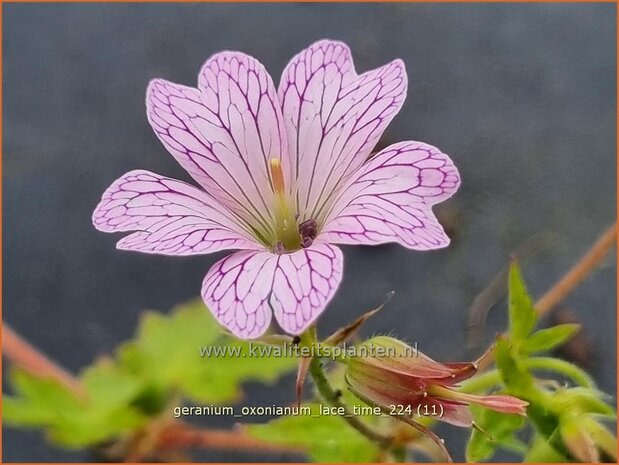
point(456, 415)
point(304, 283)
point(225, 132)
point(498, 402)
point(236, 290)
point(242, 288)
point(390, 199)
point(334, 117)
point(171, 217)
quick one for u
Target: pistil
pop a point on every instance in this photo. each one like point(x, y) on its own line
point(286, 229)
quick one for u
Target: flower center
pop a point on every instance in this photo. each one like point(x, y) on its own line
point(287, 237)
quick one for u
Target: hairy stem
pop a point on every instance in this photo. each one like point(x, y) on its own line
point(332, 397)
point(560, 366)
point(481, 383)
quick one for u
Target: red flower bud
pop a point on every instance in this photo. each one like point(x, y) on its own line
point(393, 375)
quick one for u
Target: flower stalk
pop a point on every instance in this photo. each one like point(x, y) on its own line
point(333, 396)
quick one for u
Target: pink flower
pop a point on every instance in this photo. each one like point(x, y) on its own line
point(283, 174)
point(392, 375)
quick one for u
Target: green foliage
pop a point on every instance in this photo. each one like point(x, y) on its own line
point(522, 315)
point(101, 411)
point(327, 438)
point(549, 338)
point(184, 357)
point(540, 451)
point(555, 411)
point(162, 364)
point(503, 428)
point(166, 352)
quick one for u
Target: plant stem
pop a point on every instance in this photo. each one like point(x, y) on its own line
point(481, 382)
point(332, 397)
point(560, 366)
point(571, 279)
point(578, 272)
point(25, 355)
point(183, 436)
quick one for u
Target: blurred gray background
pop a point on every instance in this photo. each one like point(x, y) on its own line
point(522, 96)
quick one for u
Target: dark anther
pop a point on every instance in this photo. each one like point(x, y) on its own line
point(296, 341)
point(337, 394)
point(308, 231)
point(279, 247)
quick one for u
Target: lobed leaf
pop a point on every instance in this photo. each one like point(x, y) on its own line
point(167, 352)
point(522, 315)
point(549, 338)
point(327, 438)
point(101, 412)
point(495, 430)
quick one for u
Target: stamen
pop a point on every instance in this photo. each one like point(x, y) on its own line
point(277, 176)
point(286, 231)
point(279, 248)
point(308, 231)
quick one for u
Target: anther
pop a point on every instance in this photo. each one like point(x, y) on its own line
point(279, 247)
point(308, 231)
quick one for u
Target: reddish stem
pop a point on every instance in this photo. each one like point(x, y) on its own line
point(578, 272)
point(181, 436)
point(178, 436)
point(25, 355)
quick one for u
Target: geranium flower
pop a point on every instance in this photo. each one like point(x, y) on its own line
point(392, 374)
point(284, 175)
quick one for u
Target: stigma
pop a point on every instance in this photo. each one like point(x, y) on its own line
point(287, 236)
point(277, 175)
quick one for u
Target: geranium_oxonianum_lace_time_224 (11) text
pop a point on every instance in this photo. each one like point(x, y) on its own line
point(284, 175)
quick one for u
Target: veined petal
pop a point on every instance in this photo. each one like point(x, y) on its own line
point(390, 199)
point(334, 118)
point(304, 283)
point(242, 288)
point(236, 290)
point(171, 217)
point(225, 132)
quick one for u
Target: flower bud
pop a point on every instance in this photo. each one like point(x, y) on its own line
point(396, 377)
point(585, 438)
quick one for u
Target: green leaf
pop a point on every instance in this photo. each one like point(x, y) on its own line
point(541, 451)
point(549, 338)
point(579, 400)
point(500, 429)
point(517, 379)
point(36, 401)
point(327, 438)
point(107, 385)
point(522, 315)
point(120, 396)
point(102, 412)
point(187, 352)
point(603, 438)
